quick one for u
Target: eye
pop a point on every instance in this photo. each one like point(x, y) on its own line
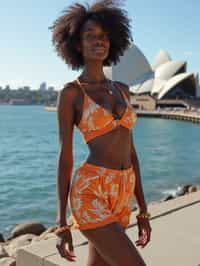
point(106, 35)
point(88, 36)
point(91, 36)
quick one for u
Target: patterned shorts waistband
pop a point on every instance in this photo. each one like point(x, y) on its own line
point(94, 167)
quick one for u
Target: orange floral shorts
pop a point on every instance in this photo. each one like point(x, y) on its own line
point(99, 196)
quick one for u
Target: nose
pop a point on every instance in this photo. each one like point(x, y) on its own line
point(99, 42)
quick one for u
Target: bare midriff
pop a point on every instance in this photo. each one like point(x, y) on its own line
point(111, 150)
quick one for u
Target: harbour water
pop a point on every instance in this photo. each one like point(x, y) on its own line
point(168, 152)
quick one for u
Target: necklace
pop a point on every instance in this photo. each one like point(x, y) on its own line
point(109, 91)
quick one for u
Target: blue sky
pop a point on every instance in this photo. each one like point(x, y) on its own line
point(28, 57)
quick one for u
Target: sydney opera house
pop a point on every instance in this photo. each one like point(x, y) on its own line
point(165, 79)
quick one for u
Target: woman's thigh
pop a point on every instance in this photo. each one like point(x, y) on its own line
point(113, 245)
point(94, 258)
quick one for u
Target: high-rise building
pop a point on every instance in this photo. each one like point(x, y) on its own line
point(43, 86)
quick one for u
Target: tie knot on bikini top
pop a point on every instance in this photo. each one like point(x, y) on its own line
point(96, 120)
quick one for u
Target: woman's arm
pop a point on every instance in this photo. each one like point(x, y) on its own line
point(65, 118)
point(138, 185)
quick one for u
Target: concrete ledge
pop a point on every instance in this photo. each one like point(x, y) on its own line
point(175, 238)
point(166, 207)
point(177, 115)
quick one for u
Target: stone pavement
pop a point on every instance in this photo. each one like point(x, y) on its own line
point(175, 239)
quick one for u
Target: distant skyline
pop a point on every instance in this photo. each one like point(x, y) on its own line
point(28, 56)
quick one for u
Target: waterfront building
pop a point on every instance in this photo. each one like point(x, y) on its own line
point(165, 79)
point(51, 88)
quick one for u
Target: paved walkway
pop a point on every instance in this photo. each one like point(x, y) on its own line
point(175, 238)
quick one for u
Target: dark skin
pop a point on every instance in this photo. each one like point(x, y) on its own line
point(105, 248)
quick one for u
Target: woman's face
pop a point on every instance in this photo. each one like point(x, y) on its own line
point(94, 44)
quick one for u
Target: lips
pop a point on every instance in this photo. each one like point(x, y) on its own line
point(100, 49)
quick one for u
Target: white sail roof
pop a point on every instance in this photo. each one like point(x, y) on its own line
point(169, 69)
point(161, 58)
point(132, 66)
point(146, 86)
point(158, 85)
point(173, 82)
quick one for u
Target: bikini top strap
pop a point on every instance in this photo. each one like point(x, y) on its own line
point(81, 87)
point(123, 93)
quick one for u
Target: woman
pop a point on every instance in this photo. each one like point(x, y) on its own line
point(102, 187)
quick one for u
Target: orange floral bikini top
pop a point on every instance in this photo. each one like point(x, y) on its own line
point(96, 120)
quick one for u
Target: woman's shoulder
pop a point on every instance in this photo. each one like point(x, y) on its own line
point(70, 86)
point(69, 91)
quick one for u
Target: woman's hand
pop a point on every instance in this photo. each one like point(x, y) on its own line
point(144, 232)
point(63, 239)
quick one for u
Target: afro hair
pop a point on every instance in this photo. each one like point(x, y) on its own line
point(107, 13)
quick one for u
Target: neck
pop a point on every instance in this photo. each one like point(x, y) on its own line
point(93, 72)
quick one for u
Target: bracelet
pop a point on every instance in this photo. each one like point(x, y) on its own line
point(143, 215)
point(62, 229)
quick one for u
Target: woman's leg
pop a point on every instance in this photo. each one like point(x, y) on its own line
point(94, 258)
point(113, 245)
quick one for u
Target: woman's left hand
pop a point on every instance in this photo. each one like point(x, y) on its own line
point(144, 232)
